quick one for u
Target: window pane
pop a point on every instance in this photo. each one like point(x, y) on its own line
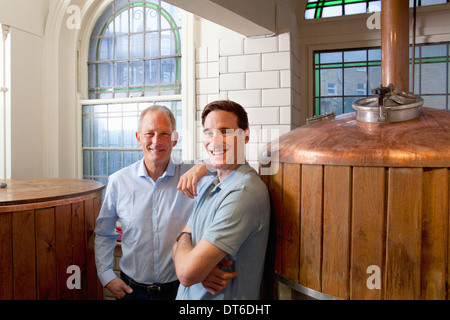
point(333, 11)
point(151, 72)
point(331, 104)
point(348, 103)
point(105, 72)
point(434, 51)
point(86, 163)
point(351, 56)
point(151, 20)
point(136, 73)
point(130, 157)
point(374, 78)
point(121, 47)
point(355, 8)
point(152, 44)
point(355, 81)
point(331, 78)
point(86, 132)
point(430, 2)
point(375, 55)
point(433, 78)
point(121, 23)
point(106, 49)
point(121, 74)
point(93, 49)
point(92, 76)
point(99, 162)
point(114, 161)
point(115, 132)
point(331, 57)
point(436, 102)
point(137, 19)
point(137, 46)
point(130, 125)
point(416, 79)
point(309, 14)
point(167, 71)
point(100, 133)
point(167, 43)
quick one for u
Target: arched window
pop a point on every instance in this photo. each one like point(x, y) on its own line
point(135, 50)
point(134, 62)
point(316, 9)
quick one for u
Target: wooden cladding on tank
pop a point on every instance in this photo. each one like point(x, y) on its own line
point(38, 245)
point(363, 232)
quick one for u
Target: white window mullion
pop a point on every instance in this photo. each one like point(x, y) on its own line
point(5, 114)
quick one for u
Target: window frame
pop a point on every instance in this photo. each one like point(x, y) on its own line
point(420, 61)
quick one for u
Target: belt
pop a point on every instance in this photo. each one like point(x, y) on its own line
point(154, 288)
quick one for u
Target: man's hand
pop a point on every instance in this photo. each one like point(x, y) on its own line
point(188, 181)
point(218, 279)
point(118, 288)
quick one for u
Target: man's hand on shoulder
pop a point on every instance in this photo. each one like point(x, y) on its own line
point(188, 181)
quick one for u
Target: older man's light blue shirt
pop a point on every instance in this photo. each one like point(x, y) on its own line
point(151, 213)
point(234, 216)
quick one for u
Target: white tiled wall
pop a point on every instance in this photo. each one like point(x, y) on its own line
point(261, 74)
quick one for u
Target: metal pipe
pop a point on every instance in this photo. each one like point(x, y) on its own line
point(395, 44)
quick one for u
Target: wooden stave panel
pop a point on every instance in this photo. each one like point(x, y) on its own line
point(46, 269)
point(290, 256)
point(24, 256)
point(368, 230)
point(387, 279)
point(275, 191)
point(64, 249)
point(403, 250)
point(6, 268)
point(33, 234)
point(311, 227)
point(448, 234)
point(434, 246)
point(336, 231)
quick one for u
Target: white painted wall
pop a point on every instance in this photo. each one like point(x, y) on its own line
point(26, 20)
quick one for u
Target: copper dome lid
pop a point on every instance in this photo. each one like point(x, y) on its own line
point(421, 142)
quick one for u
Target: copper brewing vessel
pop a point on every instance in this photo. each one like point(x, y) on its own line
point(362, 209)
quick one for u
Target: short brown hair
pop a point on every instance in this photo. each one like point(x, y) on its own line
point(229, 106)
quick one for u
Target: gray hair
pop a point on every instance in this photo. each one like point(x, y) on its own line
point(158, 108)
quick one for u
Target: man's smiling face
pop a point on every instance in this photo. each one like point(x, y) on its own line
point(155, 137)
point(224, 141)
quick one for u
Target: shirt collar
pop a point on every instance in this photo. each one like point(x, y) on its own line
point(237, 174)
point(170, 170)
